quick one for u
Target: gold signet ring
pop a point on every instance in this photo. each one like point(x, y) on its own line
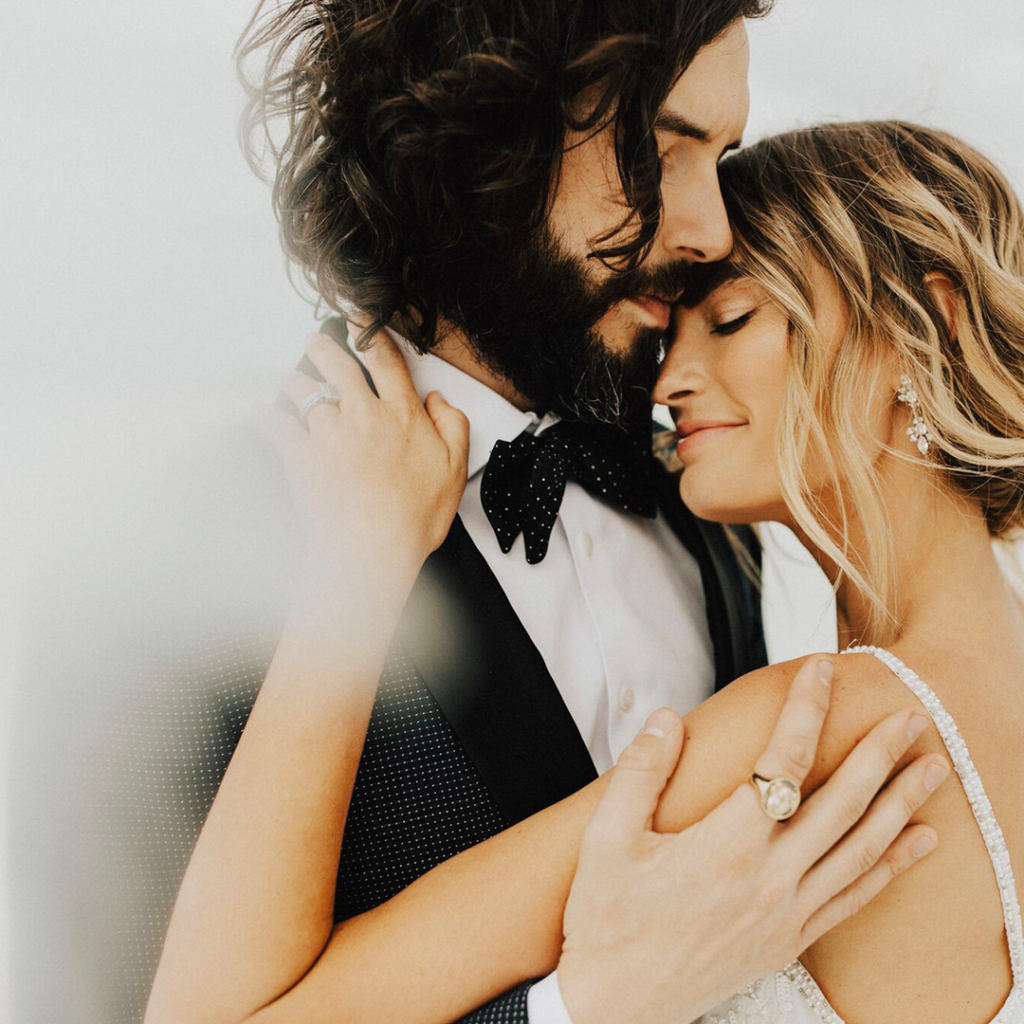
point(780, 797)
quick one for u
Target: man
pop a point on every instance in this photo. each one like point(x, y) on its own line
point(518, 190)
point(535, 264)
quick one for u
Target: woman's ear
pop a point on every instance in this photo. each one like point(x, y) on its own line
point(943, 292)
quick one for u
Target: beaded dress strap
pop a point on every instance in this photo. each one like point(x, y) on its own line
point(980, 805)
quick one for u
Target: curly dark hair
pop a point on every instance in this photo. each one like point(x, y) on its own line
point(411, 138)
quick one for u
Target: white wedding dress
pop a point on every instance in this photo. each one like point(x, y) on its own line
point(791, 996)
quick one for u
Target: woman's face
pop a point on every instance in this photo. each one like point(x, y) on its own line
point(724, 379)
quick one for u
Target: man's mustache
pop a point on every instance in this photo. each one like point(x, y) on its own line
point(667, 282)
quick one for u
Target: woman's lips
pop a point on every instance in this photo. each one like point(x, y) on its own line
point(657, 309)
point(694, 434)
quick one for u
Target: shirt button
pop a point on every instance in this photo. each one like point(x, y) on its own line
point(588, 545)
point(627, 698)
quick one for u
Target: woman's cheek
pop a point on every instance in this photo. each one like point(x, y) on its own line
point(747, 487)
point(737, 480)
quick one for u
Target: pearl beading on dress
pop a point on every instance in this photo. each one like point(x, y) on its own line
point(995, 842)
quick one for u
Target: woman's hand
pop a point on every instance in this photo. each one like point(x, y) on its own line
point(373, 476)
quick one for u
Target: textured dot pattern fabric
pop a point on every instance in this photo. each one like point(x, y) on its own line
point(509, 1009)
point(154, 747)
point(525, 479)
point(145, 744)
point(417, 801)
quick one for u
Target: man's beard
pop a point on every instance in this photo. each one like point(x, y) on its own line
point(531, 311)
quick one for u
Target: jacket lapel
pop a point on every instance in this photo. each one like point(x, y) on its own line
point(491, 682)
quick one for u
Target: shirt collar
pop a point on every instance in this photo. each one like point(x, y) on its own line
point(492, 418)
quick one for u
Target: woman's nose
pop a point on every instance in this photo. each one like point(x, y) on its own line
point(680, 377)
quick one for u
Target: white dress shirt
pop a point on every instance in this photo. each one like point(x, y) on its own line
point(616, 608)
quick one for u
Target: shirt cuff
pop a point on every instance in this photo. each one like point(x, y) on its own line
point(544, 1003)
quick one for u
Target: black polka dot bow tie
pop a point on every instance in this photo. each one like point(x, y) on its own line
point(525, 479)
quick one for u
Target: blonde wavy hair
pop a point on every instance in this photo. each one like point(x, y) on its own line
point(880, 205)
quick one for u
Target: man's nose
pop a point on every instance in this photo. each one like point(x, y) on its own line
point(695, 224)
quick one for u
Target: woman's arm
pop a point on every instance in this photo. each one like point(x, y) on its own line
point(491, 917)
point(255, 908)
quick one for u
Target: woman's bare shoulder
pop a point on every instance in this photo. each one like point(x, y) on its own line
point(726, 734)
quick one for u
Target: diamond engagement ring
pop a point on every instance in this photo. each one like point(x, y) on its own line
point(324, 393)
point(780, 797)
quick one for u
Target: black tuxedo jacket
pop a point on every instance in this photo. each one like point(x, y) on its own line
point(143, 675)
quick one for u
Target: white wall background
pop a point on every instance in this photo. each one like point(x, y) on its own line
point(142, 293)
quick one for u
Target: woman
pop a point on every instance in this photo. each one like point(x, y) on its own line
point(855, 371)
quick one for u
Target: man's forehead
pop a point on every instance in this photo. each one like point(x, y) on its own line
point(712, 121)
point(711, 98)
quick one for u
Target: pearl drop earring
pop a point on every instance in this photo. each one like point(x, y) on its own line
point(918, 431)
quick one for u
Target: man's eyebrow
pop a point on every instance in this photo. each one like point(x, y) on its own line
point(676, 124)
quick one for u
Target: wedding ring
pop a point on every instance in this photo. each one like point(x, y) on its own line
point(780, 797)
point(324, 393)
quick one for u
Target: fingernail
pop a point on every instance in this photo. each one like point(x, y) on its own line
point(923, 845)
point(825, 671)
point(917, 725)
point(934, 775)
point(661, 723)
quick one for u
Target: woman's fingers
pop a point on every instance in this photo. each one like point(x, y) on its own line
point(913, 843)
point(298, 387)
point(453, 426)
point(340, 370)
point(794, 742)
point(389, 371)
point(866, 845)
point(839, 804)
point(384, 361)
point(628, 804)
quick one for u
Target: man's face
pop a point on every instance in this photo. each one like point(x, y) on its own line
point(703, 116)
point(573, 336)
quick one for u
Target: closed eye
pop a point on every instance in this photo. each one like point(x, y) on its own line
point(732, 326)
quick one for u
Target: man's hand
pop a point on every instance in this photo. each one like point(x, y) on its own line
point(660, 928)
